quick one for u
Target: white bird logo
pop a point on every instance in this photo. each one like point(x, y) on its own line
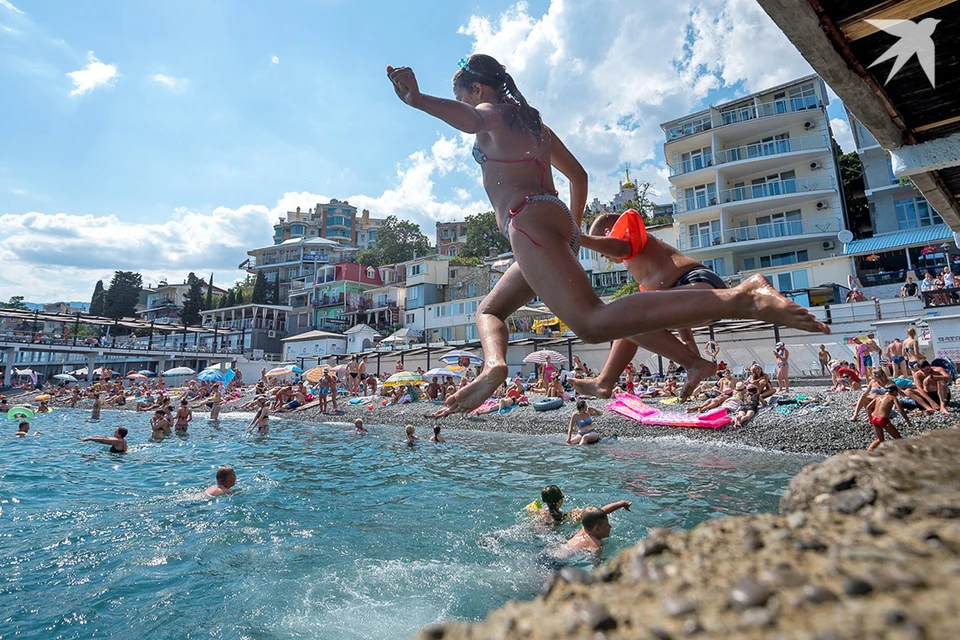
point(915, 38)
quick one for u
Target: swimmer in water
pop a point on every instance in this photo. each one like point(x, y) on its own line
point(358, 427)
point(44, 407)
point(184, 416)
point(517, 152)
point(596, 527)
point(226, 478)
point(411, 438)
point(118, 443)
point(97, 405)
point(436, 437)
point(159, 425)
point(261, 421)
point(22, 429)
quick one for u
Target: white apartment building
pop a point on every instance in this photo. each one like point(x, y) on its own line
point(757, 187)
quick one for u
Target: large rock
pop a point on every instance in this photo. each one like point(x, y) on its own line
point(853, 564)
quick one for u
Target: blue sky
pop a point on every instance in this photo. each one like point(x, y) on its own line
point(166, 136)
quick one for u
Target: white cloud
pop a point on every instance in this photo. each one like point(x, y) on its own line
point(95, 74)
point(843, 134)
point(275, 60)
point(17, 192)
point(6, 4)
point(174, 84)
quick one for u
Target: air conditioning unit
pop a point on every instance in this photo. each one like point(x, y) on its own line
point(271, 334)
point(828, 245)
point(823, 204)
point(459, 285)
point(809, 124)
point(816, 164)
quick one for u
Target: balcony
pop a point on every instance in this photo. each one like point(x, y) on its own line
point(793, 190)
point(718, 118)
point(328, 301)
point(770, 148)
point(159, 303)
point(316, 257)
point(761, 234)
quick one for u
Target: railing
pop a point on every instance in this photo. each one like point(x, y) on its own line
point(940, 297)
point(768, 189)
point(761, 232)
point(327, 301)
point(770, 148)
point(316, 257)
point(157, 303)
point(741, 114)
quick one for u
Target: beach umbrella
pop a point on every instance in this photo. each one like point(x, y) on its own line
point(23, 372)
point(79, 372)
point(403, 378)
point(278, 372)
point(539, 357)
point(136, 376)
point(314, 375)
point(440, 372)
point(340, 368)
point(179, 371)
point(146, 372)
point(457, 354)
point(64, 376)
point(210, 375)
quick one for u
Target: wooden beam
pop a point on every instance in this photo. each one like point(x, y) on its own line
point(856, 26)
point(935, 125)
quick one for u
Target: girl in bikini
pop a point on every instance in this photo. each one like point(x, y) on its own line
point(261, 421)
point(516, 152)
point(582, 421)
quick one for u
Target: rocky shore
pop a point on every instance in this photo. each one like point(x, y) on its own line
point(822, 427)
point(866, 545)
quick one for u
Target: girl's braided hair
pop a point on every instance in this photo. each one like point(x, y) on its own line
point(487, 71)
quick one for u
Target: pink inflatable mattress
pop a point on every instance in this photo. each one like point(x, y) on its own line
point(632, 407)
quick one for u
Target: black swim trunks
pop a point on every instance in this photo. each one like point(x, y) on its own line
point(701, 274)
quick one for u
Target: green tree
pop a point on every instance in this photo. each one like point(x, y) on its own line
point(238, 300)
point(625, 290)
point(369, 257)
point(483, 235)
point(399, 241)
point(16, 302)
point(96, 302)
point(228, 300)
point(123, 295)
point(259, 290)
point(192, 301)
point(275, 295)
point(854, 197)
point(641, 203)
point(208, 303)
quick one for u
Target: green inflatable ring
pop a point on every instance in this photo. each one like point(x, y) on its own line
point(20, 413)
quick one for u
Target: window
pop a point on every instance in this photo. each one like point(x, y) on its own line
point(913, 213)
point(893, 179)
point(775, 260)
point(278, 232)
point(409, 318)
point(788, 223)
point(413, 293)
point(803, 97)
point(704, 234)
point(446, 333)
point(701, 196)
point(298, 230)
point(792, 280)
point(414, 270)
point(716, 265)
point(372, 234)
point(471, 332)
point(371, 273)
point(774, 185)
point(696, 160)
point(471, 290)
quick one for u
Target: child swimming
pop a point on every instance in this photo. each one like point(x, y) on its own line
point(516, 152)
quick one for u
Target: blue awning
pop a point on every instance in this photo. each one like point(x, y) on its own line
point(899, 240)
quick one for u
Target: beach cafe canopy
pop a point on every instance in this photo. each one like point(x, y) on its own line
point(403, 336)
point(39, 317)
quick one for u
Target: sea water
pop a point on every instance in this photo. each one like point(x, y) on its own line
point(329, 535)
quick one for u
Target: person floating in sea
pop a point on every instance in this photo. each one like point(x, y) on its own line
point(655, 266)
point(226, 478)
point(118, 442)
point(516, 152)
point(595, 527)
point(880, 409)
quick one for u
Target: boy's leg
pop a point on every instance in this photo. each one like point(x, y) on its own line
point(892, 430)
point(509, 294)
point(553, 272)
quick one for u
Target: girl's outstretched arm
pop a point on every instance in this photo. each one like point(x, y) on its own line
point(563, 160)
point(485, 117)
point(613, 247)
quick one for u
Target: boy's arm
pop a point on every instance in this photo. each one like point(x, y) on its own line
point(613, 247)
point(613, 506)
point(906, 418)
point(569, 166)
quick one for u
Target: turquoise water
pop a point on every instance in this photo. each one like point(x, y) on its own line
point(329, 535)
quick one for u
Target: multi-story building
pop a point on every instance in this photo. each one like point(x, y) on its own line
point(335, 220)
point(296, 258)
point(450, 237)
point(435, 280)
point(757, 187)
point(367, 231)
point(907, 234)
point(166, 300)
point(261, 327)
point(323, 300)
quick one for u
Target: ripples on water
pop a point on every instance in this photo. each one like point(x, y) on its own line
point(329, 535)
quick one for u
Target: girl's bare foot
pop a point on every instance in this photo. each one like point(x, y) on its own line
point(695, 374)
point(591, 387)
point(474, 394)
point(763, 302)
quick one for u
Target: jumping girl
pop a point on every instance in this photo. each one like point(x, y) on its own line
point(516, 153)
